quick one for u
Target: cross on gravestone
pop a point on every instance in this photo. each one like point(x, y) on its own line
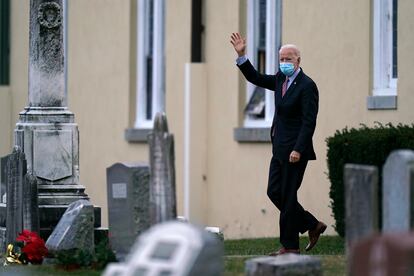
point(287, 264)
point(398, 191)
point(172, 248)
point(128, 205)
point(162, 172)
point(361, 202)
point(74, 230)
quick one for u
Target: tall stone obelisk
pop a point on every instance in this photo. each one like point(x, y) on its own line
point(46, 131)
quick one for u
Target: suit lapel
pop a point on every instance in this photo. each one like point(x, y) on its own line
point(292, 87)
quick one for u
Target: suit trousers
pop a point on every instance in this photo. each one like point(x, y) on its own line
point(285, 179)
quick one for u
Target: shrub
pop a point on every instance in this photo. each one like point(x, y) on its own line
point(81, 258)
point(368, 146)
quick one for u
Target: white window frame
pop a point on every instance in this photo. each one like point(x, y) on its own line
point(273, 43)
point(383, 82)
point(158, 62)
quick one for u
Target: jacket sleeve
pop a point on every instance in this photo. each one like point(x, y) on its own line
point(262, 80)
point(309, 106)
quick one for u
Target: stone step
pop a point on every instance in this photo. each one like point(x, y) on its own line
point(100, 234)
point(49, 215)
point(61, 188)
point(61, 199)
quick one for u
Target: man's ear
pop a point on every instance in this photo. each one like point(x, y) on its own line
point(298, 60)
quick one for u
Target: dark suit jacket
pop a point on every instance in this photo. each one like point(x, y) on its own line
point(295, 114)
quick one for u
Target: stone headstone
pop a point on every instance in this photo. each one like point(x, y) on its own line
point(74, 230)
point(15, 170)
point(46, 130)
point(172, 248)
point(128, 205)
point(361, 202)
point(398, 191)
point(162, 174)
point(383, 255)
point(3, 188)
point(287, 264)
point(30, 204)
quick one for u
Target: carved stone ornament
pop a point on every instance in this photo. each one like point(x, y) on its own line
point(49, 15)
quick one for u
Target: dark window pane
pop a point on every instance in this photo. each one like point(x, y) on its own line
point(261, 60)
point(394, 38)
point(150, 38)
point(256, 106)
point(4, 41)
point(149, 88)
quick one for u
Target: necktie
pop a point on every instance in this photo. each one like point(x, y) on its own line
point(284, 86)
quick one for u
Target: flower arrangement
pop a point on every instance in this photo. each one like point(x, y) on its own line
point(28, 248)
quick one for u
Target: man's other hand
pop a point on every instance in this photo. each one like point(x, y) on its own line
point(239, 44)
point(294, 157)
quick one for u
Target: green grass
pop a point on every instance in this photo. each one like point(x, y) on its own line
point(332, 265)
point(327, 245)
point(41, 270)
point(329, 248)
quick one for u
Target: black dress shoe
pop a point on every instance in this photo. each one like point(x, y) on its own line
point(314, 235)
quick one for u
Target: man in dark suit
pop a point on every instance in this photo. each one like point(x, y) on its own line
point(294, 121)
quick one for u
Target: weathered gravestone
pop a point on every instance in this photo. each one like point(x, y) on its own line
point(15, 171)
point(21, 202)
point(74, 230)
point(162, 174)
point(175, 249)
point(398, 191)
point(383, 255)
point(128, 205)
point(3, 188)
point(46, 131)
point(361, 202)
point(30, 204)
point(286, 264)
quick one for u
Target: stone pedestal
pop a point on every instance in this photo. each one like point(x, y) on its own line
point(398, 192)
point(46, 131)
point(163, 204)
point(287, 264)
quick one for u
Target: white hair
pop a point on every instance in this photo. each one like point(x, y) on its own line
point(291, 46)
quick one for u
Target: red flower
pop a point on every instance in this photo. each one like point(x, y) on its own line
point(34, 246)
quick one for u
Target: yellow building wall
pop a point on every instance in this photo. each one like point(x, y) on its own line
point(99, 89)
point(5, 121)
point(336, 48)
point(177, 54)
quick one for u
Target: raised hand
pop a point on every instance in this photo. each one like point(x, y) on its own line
point(239, 44)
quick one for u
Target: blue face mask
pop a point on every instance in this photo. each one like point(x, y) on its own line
point(287, 68)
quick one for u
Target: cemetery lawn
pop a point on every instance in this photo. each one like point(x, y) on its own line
point(331, 250)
